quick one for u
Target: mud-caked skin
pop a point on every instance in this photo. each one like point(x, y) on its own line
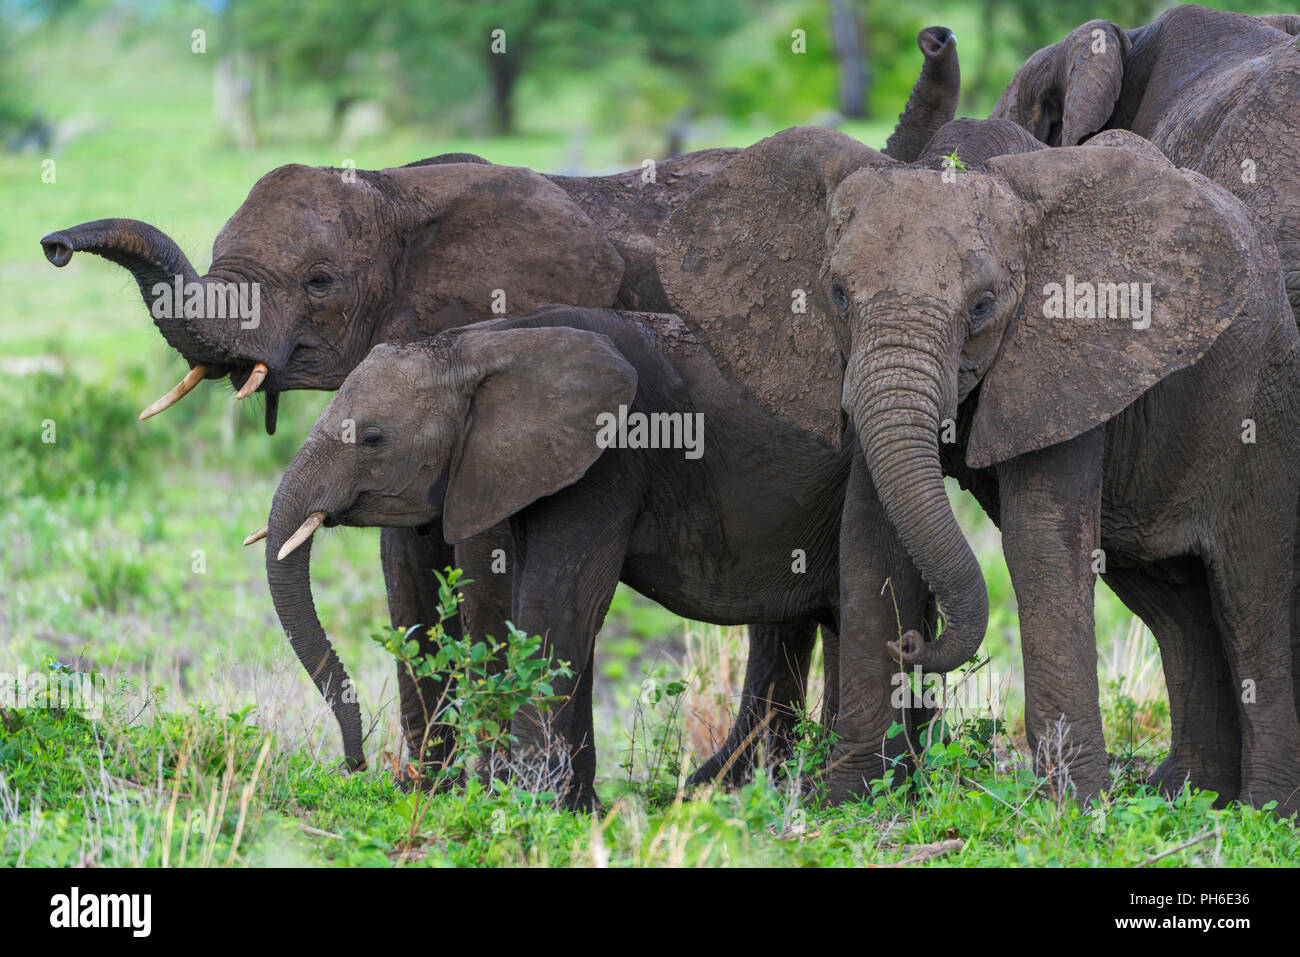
point(347, 259)
point(1084, 437)
point(500, 421)
point(1216, 92)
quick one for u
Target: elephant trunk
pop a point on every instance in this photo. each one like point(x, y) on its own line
point(895, 397)
point(158, 266)
point(290, 583)
point(934, 97)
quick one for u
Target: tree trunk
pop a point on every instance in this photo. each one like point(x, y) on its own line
point(849, 36)
point(503, 70)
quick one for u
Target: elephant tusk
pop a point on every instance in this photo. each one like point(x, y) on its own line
point(257, 536)
point(193, 378)
point(253, 382)
point(304, 532)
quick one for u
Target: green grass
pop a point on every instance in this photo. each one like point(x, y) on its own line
point(122, 554)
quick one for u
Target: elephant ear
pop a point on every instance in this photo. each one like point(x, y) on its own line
point(1067, 91)
point(531, 428)
point(1167, 242)
point(485, 241)
point(740, 262)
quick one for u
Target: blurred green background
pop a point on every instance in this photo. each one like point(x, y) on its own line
point(120, 541)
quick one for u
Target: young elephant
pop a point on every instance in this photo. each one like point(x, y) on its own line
point(518, 419)
point(1155, 442)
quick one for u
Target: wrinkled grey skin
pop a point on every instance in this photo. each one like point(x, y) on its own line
point(1074, 436)
point(499, 422)
point(1216, 92)
point(348, 259)
point(1210, 89)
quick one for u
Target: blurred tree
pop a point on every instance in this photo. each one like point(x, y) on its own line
point(851, 57)
point(310, 42)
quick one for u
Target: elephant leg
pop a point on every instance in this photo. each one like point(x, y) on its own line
point(1206, 745)
point(869, 679)
point(569, 555)
point(1252, 610)
point(409, 559)
point(1051, 526)
point(488, 563)
point(775, 683)
point(1295, 612)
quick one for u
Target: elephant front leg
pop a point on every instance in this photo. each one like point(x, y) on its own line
point(776, 675)
point(1051, 529)
point(882, 596)
point(570, 550)
point(409, 559)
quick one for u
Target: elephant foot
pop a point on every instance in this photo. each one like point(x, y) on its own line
point(1286, 793)
point(1175, 771)
point(429, 779)
point(856, 768)
point(732, 765)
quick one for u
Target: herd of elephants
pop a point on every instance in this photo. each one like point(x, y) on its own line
point(1082, 308)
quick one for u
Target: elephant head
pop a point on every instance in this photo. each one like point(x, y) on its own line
point(410, 437)
point(912, 288)
point(333, 261)
point(1067, 91)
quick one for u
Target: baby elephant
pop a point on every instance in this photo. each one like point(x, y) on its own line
point(615, 448)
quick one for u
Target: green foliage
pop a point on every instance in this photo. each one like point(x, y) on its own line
point(486, 682)
point(64, 436)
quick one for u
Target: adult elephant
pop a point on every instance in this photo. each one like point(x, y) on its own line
point(1216, 92)
point(1075, 435)
point(346, 259)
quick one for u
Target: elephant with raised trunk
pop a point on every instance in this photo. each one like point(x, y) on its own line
point(514, 420)
point(1120, 436)
point(346, 259)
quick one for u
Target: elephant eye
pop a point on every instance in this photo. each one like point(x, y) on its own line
point(841, 299)
point(319, 280)
point(371, 437)
point(980, 309)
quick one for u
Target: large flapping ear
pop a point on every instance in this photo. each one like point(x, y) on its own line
point(1134, 268)
point(1067, 91)
point(532, 423)
point(486, 241)
point(740, 261)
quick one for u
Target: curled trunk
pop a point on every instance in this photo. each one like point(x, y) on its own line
point(153, 259)
point(897, 418)
point(934, 97)
point(290, 583)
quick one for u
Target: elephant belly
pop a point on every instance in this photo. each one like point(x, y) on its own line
point(741, 582)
